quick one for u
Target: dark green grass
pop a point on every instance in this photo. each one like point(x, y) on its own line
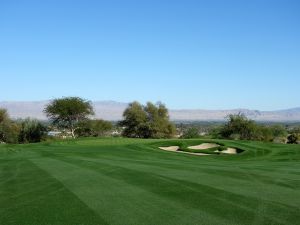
point(128, 181)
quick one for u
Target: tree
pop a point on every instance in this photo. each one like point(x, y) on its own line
point(3, 115)
point(150, 121)
point(239, 126)
point(191, 132)
point(158, 123)
point(134, 122)
point(31, 131)
point(8, 129)
point(278, 131)
point(68, 112)
point(94, 128)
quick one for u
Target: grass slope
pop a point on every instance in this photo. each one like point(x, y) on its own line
point(128, 181)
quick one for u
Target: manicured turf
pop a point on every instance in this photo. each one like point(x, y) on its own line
point(127, 181)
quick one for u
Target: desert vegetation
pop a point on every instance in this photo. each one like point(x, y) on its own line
point(68, 116)
point(239, 127)
point(149, 121)
point(69, 112)
point(21, 131)
point(73, 117)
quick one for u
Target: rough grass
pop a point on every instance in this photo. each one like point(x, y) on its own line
point(129, 181)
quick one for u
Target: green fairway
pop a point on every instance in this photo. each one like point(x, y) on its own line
point(133, 182)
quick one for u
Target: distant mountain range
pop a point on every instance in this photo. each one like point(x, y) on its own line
point(110, 110)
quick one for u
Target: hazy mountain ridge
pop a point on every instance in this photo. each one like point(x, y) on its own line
point(111, 110)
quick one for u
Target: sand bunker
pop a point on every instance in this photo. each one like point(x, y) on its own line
point(193, 153)
point(170, 148)
point(230, 151)
point(176, 148)
point(204, 146)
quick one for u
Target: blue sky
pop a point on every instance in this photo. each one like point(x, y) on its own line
point(212, 54)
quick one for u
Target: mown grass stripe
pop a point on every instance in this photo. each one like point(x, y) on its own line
point(32, 197)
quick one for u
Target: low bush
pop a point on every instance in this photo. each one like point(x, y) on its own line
point(292, 139)
point(190, 133)
point(31, 131)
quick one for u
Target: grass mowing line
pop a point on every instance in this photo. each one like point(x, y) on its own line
point(135, 178)
point(43, 201)
point(77, 162)
point(127, 179)
point(111, 194)
point(213, 197)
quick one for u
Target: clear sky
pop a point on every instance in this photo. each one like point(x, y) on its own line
point(212, 54)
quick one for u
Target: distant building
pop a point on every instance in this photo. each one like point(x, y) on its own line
point(54, 133)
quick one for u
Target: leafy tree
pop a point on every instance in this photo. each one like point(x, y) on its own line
point(191, 132)
point(3, 115)
point(270, 133)
point(278, 131)
point(263, 133)
point(158, 123)
point(68, 112)
point(134, 122)
point(150, 121)
point(94, 128)
point(8, 129)
point(31, 131)
point(239, 126)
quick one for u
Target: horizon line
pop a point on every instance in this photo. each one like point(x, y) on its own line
point(177, 109)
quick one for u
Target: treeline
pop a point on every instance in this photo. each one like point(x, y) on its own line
point(68, 118)
point(239, 127)
point(21, 131)
point(149, 121)
point(71, 117)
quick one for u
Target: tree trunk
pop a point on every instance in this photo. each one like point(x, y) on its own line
point(72, 129)
point(73, 133)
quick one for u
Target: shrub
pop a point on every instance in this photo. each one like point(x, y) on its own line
point(94, 128)
point(8, 129)
point(31, 131)
point(292, 139)
point(190, 133)
point(238, 126)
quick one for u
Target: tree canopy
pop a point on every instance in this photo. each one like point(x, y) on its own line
point(94, 128)
point(238, 126)
point(8, 129)
point(68, 112)
point(150, 121)
point(31, 131)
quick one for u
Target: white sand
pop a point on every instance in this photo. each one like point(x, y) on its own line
point(176, 148)
point(192, 153)
point(170, 148)
point(204, 146)
point(230, 151)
